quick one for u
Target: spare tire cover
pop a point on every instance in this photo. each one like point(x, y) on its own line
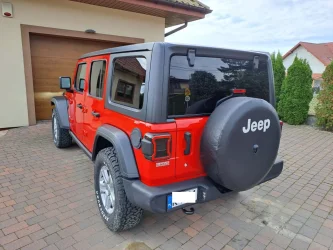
point(240, 142)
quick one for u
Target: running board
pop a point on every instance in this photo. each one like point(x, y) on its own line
point(85, 150)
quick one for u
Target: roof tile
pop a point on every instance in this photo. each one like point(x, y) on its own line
point(316, 76)
point(193, 3)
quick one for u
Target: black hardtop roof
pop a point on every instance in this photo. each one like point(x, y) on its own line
point(126, 48)
point(150, 46)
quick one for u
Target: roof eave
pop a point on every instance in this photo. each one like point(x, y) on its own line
point(291, 50)
point(173, 13)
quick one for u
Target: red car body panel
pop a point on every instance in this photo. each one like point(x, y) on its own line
point(189, 165)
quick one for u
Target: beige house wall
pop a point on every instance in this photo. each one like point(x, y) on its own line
point(60, 14)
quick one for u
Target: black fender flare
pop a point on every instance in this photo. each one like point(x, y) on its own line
point(61, 107)
point(122, 144)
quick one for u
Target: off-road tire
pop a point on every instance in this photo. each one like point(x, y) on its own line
point(125, 215)
point(64, 139)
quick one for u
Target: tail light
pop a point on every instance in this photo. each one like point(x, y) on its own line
point(239, 91)
point(156, 147)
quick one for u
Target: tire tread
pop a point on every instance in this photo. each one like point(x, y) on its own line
point(129, 215)
point(65, 139)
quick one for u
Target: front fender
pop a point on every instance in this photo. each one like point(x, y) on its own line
point(122, 144)
point(61, 107)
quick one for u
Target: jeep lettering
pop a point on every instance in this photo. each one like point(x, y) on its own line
point(260, 125)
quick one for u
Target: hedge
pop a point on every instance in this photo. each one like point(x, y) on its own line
point(296, 93)
point(324, 108)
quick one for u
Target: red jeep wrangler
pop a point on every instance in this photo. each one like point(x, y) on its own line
point(163, 122)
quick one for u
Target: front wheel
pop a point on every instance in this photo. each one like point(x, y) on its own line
point(116, 210)
point(61, 137)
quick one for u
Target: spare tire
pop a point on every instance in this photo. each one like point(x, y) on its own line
point(240, 142)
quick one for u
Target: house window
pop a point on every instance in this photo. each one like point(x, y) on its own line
point(80, 77)
point(317, 86)
point(317, 83)
point(125, 92)
point(97, 78)
point(128, 81)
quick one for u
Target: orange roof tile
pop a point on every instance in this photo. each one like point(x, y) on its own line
point(316, 76)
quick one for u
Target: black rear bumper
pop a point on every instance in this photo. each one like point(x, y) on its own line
point(154, 199)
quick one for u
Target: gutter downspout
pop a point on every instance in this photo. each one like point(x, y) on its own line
point(176, 30)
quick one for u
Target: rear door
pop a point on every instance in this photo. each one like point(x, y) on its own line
point(189, 132)
point(94, 101)
point(194, 91)
point(76, 104)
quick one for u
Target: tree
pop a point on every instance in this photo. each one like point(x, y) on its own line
point(279, 75)
point(324, 108)
point(280, 106)
point(203, 85)
point(296, 93)
point(273, 58)
point(241, 74)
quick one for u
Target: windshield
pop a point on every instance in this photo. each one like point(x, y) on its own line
point(196, 90)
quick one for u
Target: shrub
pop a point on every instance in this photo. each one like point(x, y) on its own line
point(296, 93)
point(281, 105)
point(279, 75)
point(324, 108)
point(273, 57)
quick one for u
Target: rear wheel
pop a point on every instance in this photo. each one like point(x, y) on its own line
point(116, 210)
point(61, 137)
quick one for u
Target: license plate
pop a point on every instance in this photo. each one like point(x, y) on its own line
point(172, 204)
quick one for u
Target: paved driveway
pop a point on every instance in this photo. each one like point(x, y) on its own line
point(47, 201)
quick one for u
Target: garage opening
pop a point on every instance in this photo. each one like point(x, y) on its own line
point(52, 57)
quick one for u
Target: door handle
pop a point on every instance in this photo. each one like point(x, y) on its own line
point(96, 114)
point(79, 106)
point(188, 137)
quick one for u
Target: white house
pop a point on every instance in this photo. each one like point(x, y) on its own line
point(319, 55)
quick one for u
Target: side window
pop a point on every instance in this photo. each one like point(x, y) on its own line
point(128, 81)
point(80, 77)
point(97, 78)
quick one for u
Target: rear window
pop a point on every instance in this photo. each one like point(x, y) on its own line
point(196, 90)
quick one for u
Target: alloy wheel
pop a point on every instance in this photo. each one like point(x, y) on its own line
point(106, 188)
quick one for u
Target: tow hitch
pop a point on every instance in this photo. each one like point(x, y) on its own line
point(188, 212)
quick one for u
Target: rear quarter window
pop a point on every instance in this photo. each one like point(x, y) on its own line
point(196, 90)
point(128, 81)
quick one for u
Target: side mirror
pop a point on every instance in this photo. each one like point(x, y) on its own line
point(65, 82)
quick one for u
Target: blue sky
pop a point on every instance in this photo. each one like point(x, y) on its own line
point(263, 25)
